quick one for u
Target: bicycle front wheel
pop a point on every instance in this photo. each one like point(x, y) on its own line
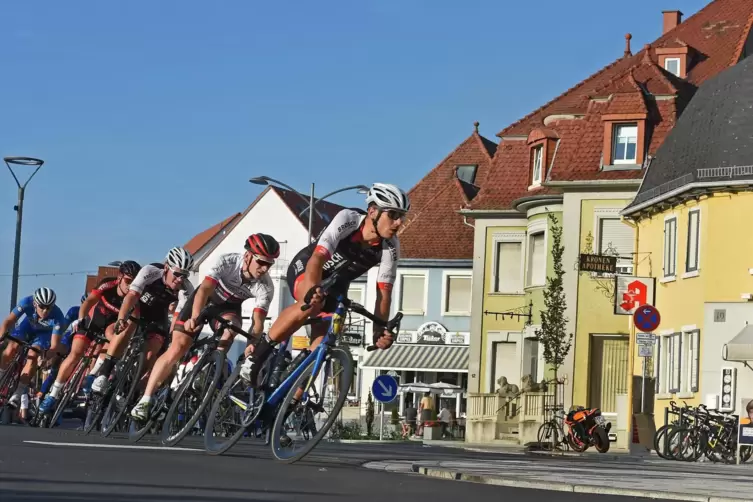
point(548, 436)
point(192, 398)
point(337, 376)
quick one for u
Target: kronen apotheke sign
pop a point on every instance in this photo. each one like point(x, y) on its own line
point(433, 333)
point(598, 263)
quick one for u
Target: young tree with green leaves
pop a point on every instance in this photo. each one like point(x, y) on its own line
point(553, 336)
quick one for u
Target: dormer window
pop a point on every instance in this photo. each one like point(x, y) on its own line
point(672, 65)
point(538, 160)
point(466, 173)
point(625, 143)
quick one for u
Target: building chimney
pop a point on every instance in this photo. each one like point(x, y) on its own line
point(671, 19)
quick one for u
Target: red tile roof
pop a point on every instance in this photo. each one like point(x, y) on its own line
point(717, 31)
point(433, 228)
point(323, 214)
point(199, 240)
point(716, 35)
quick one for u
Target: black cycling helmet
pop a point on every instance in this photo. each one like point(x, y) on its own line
point(264, 246)
point(129, 268)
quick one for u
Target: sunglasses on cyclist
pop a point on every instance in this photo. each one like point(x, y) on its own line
point(179, 275)
point(395, 215)
point(263, 262)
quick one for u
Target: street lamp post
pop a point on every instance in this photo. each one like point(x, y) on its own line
point(266, 180)
point(19, 161)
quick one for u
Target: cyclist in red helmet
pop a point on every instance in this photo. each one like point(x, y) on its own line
point(232, 279)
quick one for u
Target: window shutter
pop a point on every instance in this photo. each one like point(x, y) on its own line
point(694, 362)
point(617, 237)
point(537, 272)
point(676, 369)
point(691, 263)
point(412, 293)
point(458, 294)
point(508, 268)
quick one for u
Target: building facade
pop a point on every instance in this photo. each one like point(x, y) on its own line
point(690, 216)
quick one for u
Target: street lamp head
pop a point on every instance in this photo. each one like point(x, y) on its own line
point(23, 161)
point(363, 189)
point(260, 180)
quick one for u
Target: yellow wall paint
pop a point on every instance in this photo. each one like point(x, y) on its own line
point(726, 254)
point(496, 302)
point(595, 306)
point(499, 302)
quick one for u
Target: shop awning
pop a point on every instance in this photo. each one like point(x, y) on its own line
point(740, 348)
point(420, 358)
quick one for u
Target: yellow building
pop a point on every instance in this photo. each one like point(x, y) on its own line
point(582, 157)
point(692, 216)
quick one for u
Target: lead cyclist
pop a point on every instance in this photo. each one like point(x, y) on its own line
point(352, 243)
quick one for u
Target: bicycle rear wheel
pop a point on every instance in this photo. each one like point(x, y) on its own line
point(124, 389)
point(548, 436)
point(191, 401)
point(338, 374)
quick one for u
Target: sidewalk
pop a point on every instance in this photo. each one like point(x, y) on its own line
point(677, 481)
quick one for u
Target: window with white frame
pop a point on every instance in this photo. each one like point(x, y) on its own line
point(668, 363)
point(691, 260)
point(617, 239)
point(672, 65)
point(536, 260)
point(689, 365)
point(412, 293)
point(538, 162)
point(457, 294)
point(625, 143)
point(508, 267)
point(670, 247)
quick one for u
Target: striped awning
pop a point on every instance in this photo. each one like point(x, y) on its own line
point(420, 357)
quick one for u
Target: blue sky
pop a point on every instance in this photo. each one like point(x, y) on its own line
point(151, 116)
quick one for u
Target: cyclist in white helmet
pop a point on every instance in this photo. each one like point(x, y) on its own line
point(152, 293)
point(352, 243)
point(40, 320)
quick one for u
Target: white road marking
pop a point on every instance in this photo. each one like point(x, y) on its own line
point(117, 446)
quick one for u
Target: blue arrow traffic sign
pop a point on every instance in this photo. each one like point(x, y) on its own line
point(646, 318)
point(384, 388)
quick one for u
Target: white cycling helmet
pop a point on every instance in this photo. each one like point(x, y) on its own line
point(45, 297)
point(388, 197)
point(179, 258)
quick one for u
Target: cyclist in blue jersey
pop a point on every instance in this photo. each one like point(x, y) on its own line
point(41, 320)
point(63, 346)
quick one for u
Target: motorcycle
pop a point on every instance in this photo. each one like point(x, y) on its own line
point(587, 427)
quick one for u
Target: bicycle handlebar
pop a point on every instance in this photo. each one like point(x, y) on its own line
point(391, 325)
point(23, 343)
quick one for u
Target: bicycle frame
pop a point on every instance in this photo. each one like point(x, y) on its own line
point(336, 324)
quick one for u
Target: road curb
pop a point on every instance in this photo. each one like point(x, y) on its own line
point(567, 487)
point(602, 456)
point(366, 441)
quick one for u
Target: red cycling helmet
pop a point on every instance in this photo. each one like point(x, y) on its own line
point(264, 246)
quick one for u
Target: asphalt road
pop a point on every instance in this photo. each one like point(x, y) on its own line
point(59, 465)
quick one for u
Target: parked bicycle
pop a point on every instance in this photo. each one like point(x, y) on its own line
point(699, 432)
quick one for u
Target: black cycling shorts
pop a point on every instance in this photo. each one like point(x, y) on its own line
point(221, 309)
point(294, 278)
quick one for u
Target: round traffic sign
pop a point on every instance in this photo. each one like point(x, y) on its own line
point(646, 318)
